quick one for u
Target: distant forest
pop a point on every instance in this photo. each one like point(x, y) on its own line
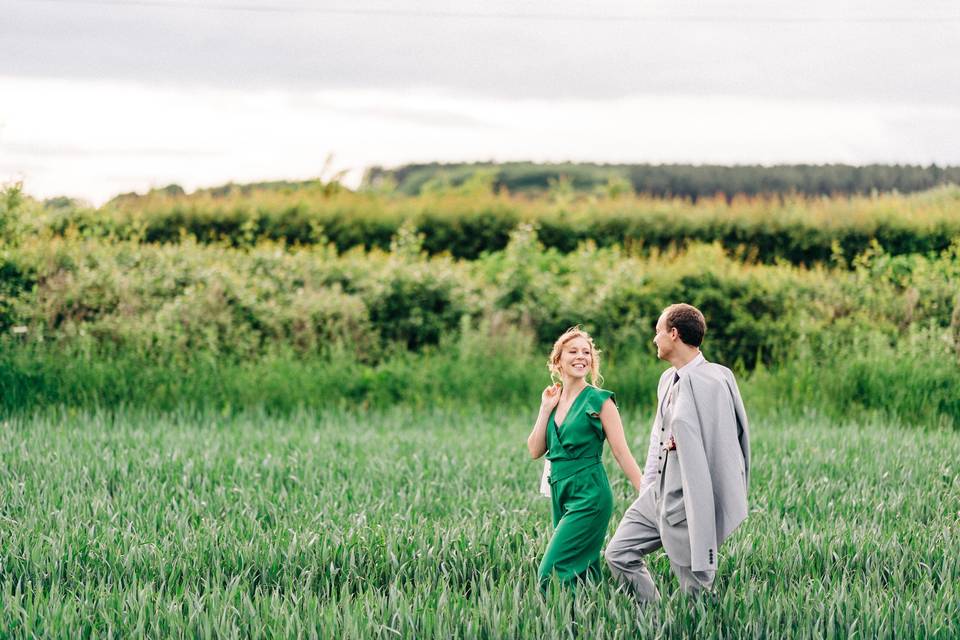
point(667, 180)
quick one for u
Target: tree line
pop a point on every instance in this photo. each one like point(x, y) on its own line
point(671, 180)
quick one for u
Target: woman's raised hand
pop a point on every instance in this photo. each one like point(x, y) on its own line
point(550, 397)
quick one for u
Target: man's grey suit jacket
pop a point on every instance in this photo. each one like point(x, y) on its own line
point(709, 425)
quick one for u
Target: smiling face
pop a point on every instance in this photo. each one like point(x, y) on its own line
point(576, 358)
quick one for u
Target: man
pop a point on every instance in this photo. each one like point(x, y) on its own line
point(694, 490)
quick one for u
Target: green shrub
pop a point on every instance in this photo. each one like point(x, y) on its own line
point(11, 223)
point(169, 302)
point(414, 307)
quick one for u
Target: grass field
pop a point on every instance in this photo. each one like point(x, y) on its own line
point(428, 524)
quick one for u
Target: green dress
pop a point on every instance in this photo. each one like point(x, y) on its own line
point(582, 500)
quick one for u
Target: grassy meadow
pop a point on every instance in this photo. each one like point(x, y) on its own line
point(411, 523)
point(304, 414)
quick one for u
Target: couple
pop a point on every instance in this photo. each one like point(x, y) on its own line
point(693, 488)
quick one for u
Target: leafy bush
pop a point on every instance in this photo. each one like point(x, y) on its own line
point(11, 224)
point(415, 307)
point(243, 303)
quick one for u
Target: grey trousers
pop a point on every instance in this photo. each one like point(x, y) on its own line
point(656, 518)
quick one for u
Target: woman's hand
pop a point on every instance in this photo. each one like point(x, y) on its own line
point(537, 441)
point(550, 397)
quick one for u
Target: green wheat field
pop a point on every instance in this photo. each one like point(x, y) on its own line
point(301, 412)
point(411, 523)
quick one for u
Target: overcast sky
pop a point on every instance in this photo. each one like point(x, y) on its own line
point(99, 97)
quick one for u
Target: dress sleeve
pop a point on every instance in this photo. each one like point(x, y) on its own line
point(594, 404)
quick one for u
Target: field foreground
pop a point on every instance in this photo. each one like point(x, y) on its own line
point(413, 524)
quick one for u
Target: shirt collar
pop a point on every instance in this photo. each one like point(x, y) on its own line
point(690, 365)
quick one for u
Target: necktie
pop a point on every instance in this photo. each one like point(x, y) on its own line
point(668, 400)
point(672, 393)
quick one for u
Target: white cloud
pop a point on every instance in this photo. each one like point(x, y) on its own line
point(102, 96)
point(871, 50)
point(94, 139)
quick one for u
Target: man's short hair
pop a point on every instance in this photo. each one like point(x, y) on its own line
point(688, 321)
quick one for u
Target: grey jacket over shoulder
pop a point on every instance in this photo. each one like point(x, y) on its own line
point(710, 428)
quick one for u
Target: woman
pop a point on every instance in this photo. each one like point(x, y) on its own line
point(575, 418)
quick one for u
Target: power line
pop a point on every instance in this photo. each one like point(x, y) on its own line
point(499, 15)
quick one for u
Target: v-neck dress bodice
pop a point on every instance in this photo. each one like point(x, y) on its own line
point(581, 433)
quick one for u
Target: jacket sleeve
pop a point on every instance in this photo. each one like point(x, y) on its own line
point(743, 427)
point(695, 476)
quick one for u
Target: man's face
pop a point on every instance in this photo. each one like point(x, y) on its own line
point(664, 339)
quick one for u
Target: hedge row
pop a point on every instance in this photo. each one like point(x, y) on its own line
point(802, 232)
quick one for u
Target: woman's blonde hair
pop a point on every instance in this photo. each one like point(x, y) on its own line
point(553, 364)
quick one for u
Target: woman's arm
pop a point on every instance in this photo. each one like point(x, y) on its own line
point(613, 428)
point(537, 440)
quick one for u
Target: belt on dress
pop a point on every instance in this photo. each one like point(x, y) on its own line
point(562, 469)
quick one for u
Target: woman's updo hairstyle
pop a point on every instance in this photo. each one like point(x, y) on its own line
point(553, 364)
